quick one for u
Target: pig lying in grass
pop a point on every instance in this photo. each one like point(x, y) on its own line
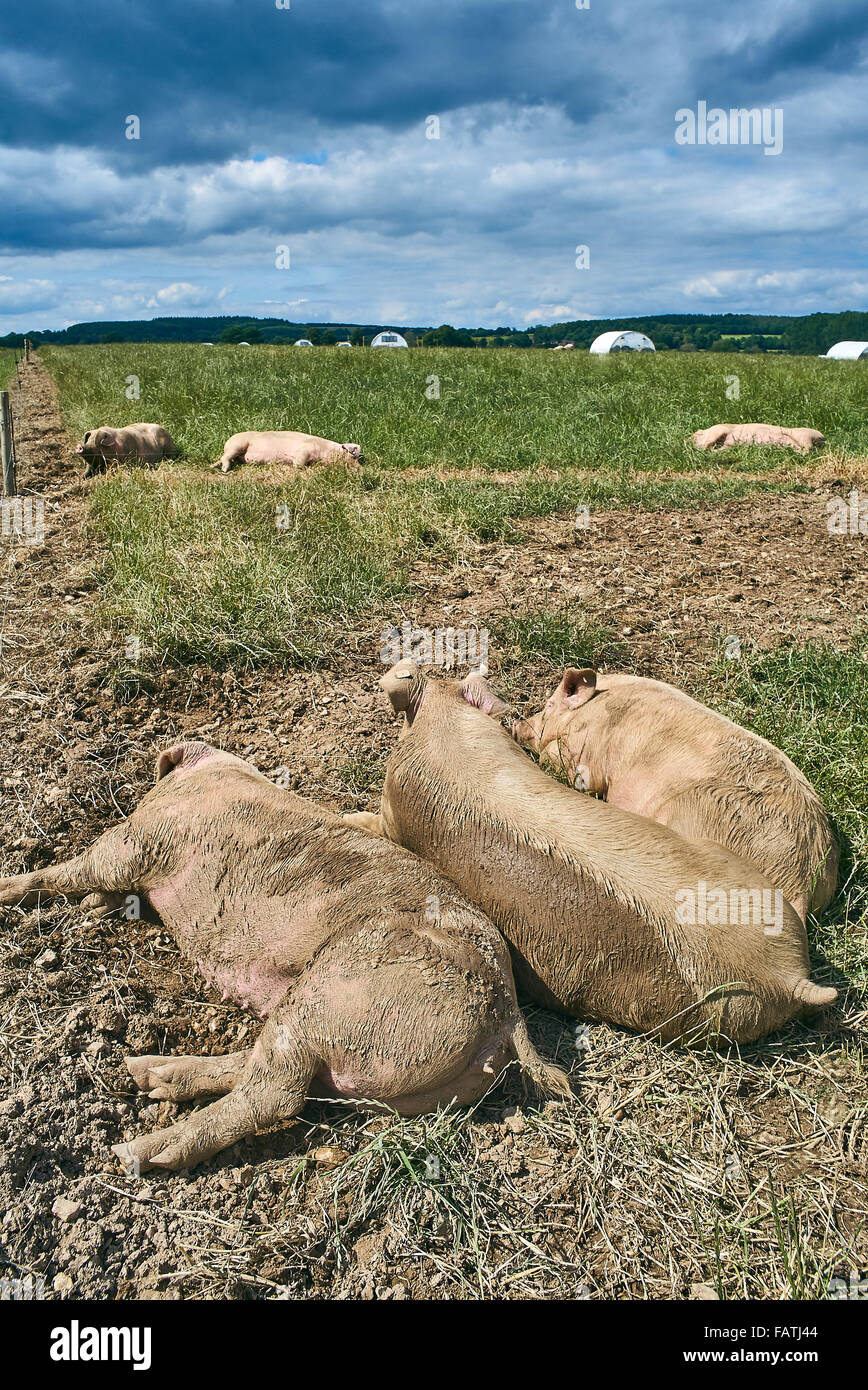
point(378, 980)
point(650, 749)
point(283, 446)
point(725, 436)
point(610, 916)
point(133, 444)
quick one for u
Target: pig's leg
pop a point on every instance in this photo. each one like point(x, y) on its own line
point(113, 866)
point(271, 1091)
point(368, 1033)
point(188, 1078)
point(369, 821)
point(73, 879)
point(227, 461)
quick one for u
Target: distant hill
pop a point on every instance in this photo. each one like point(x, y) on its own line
point(231, 328)
point(811, 334)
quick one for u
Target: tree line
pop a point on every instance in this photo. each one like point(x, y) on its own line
point(755, 333)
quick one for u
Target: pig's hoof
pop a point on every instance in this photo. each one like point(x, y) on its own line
point(136, 1155)
point(165, 1148)
point(103, 904)
point(182, 1078)
point(140, 1069)
point(168, 1078)
point(142, 1154)
point(186, 1078)
point(9, 894)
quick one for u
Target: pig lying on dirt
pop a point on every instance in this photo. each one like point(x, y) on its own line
point(724, 436)
point(378, 980)
point(283, 446)
point(136, 443)
point(610, 916)
point(650, 749)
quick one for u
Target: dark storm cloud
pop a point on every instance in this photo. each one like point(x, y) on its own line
point(307, 125)
point(212, 79)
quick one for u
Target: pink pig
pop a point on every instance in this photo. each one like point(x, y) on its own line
point(140, 443)
point(649, 748)
point(725, 436)
point(283, 446)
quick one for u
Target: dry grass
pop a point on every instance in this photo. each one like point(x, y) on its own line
point(671, 1169)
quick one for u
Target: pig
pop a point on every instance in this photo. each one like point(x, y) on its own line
point(284, 446)
point(610, 916)
point(378, 981)
point(146, 444)
point(649, 748)
point(724, 436)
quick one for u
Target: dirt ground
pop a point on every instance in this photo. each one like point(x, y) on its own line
point(76, 995)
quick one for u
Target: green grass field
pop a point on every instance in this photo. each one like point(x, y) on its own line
point(499, 410)
point(569, 429)
point(7, 366)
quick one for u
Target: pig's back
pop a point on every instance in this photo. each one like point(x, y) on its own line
point(149, 441)
point(586, 893)
point(671, 720)
point(708, 778)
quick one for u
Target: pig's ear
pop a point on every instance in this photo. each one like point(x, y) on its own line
point(577, 687)
point(169, 758)
point(478, 693)
point(399, 684)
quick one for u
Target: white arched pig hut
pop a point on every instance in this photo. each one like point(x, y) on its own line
point(848, 350)
point(622, 340)
point(389, 339)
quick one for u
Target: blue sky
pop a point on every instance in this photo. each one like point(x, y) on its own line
point(307, 127)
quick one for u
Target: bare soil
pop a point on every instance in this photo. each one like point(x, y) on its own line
point(76, 995)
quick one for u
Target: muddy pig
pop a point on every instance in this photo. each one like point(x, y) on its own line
point(133, 444)
point(649, 748)
point(610, 916)
point(378, 981)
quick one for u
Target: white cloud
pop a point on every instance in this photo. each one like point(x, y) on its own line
point(24, 296)
point(182, 295)
point(479, 227)
point(548, 311)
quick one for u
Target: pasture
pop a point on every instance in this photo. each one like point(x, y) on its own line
point(7, 366)
point(250, 610)
point(199, 570)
